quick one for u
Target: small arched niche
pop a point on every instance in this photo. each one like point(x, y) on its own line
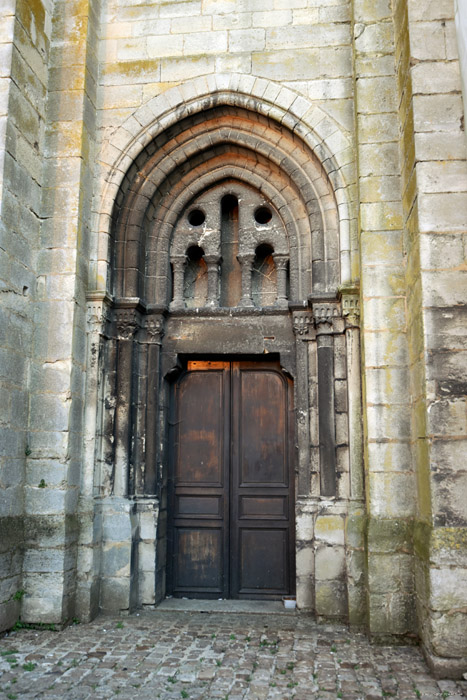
point(264, 276)
point(195, 287)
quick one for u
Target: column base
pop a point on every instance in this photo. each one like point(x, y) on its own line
point(447, 668)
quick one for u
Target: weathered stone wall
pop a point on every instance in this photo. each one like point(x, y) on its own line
point(441, 176)
point(149, 47)
point(434, 182)
point(373, 89)
point(26, 28)
point(461, 33)
point(57, 389)
point(389, 469)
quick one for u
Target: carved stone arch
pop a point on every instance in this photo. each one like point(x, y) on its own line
point(158, 256)
point(325, 138)
point(280, 163)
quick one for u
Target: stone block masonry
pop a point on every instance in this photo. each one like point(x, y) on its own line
point(24, 49)
point(346, 119)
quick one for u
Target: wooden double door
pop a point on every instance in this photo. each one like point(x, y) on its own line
point(231, 505)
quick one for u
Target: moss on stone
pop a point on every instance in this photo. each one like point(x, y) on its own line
point(454, 538)
point(390, 535)
point(31, 13)
point(355, 530)
point(12, 529)
point(131, 69)
point(430, 541)
point(421, 539)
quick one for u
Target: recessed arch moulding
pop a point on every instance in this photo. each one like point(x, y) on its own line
point(223, 144)
point(239, 170)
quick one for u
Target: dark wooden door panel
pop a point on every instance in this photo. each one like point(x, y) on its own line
point(200, 443)
point(263, 566)
point(262, 438)
point(231, 528)
point(199, 560)
point(199, 506)
point(263, 508)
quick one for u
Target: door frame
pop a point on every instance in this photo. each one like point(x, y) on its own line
point(229, 507)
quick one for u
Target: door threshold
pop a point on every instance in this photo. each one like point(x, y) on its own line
point(266, 607)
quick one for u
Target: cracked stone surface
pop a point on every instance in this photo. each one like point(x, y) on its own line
point(171, 655)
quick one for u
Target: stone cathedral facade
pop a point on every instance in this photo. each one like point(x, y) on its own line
point(233, 288)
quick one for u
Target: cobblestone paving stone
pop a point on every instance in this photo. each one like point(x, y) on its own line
point(173, 655)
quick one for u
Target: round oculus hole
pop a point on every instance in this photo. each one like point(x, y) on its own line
point(263, 215)
point(196, 217)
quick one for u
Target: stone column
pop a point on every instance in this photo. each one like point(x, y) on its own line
point(127, 325)
point(323, 315)
point(281, 261)
point(178, 267)
point(154, 332)
point(304, 332)
point(390, 481)
point(356, 521)
point(246, 261)
point(55, 117)
point(98, 316)
point(212, 261)
point(331, 576)
point(351, 313)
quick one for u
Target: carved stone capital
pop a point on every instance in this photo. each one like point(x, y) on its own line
point(281, 261)
point(246, 259)
point(302, 323)
point(97, 316)
point(154, 327)
point(351, 309)
point(126, 322)
point(326, 312)
point(212, 259)
point(178, 262)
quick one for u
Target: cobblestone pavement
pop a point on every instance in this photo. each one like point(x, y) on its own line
point(173, 655)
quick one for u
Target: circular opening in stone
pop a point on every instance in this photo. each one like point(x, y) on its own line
point(263, 215)
point(196, 217)
point(194, 253)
